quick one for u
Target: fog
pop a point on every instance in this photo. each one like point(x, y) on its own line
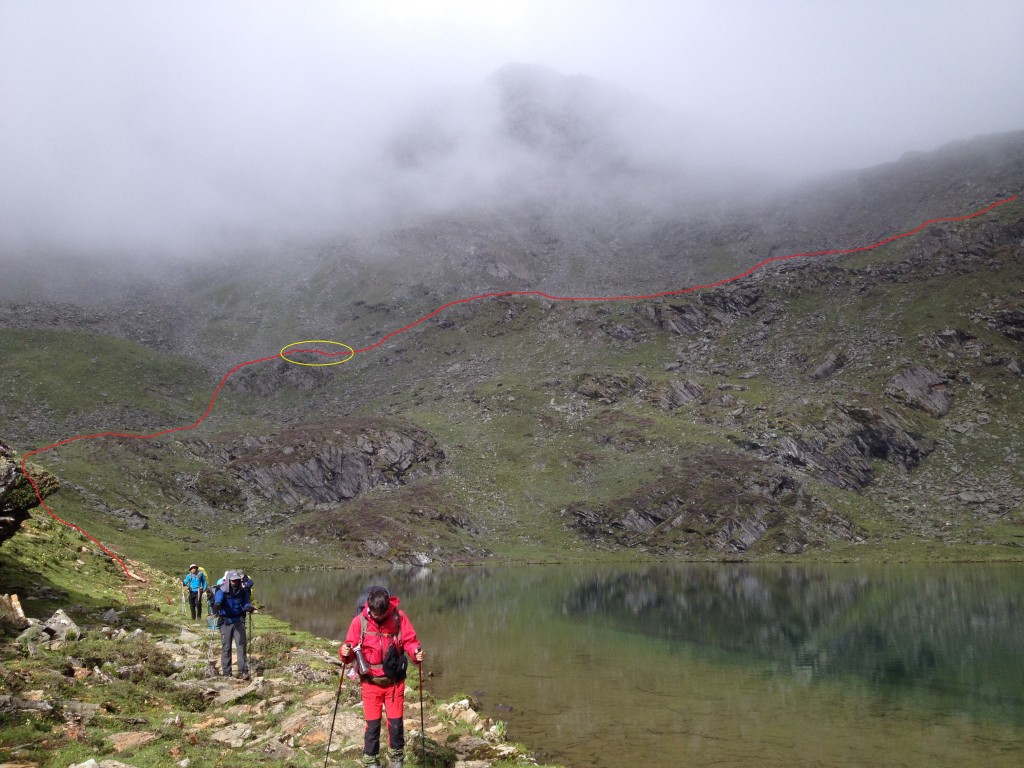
point(181, 128)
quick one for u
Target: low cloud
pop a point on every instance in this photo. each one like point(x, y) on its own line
point(185, 128)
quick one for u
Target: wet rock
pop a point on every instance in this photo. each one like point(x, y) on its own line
point(726, 301)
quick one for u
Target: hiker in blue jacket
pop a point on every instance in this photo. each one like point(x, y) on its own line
point(231, 606)
point(195, 582)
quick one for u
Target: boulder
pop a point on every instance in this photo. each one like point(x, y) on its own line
point(234, 735)
point(128, 740)
point(60, 627)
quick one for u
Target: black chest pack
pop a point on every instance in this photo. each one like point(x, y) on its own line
point(396, 665)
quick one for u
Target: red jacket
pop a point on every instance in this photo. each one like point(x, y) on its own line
point(379, 636)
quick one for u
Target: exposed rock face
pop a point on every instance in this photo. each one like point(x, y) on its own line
point(1009, 322)
point(675, 393)
point(17, 496)
point(717, 501)
point(839, 450)
point(610, 388)
point(328, 462)
point(680, 319)
point(922, 388)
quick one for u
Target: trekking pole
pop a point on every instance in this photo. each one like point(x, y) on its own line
point(337, 700)
point(423, 730)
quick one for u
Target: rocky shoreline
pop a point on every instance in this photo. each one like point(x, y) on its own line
point(127, 689)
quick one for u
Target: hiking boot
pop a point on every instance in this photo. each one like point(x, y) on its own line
point(396, 758)
point(370, 761)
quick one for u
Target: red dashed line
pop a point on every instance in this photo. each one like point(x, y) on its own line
point(442, 308)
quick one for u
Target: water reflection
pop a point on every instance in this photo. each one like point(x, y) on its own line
point(945, 629)
point(732, 664)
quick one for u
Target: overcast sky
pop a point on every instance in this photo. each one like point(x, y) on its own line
point(150, 126)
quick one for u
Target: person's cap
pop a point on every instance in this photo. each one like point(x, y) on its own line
point(193, 566)
point(234, 576)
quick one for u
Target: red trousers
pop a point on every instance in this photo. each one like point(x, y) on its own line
point(390, 699)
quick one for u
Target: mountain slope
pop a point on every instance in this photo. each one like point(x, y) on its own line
point(858, 406)
point(819, 407)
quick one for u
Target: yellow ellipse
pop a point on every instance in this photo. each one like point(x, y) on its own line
point(351, 352)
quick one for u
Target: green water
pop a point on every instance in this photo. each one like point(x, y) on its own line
point(724, 665)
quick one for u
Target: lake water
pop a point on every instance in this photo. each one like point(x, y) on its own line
point(711, 664)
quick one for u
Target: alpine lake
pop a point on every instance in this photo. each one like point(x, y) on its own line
point(726, 665)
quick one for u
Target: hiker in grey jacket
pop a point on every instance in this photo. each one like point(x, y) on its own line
point(232, 606)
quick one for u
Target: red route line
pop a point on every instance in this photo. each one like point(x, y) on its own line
point(442, 308)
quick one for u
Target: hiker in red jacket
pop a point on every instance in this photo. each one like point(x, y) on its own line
point(382, 634)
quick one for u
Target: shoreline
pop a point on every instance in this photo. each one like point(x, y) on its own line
point(131, 682)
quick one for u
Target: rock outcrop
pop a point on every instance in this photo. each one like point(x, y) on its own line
point(922, 388)
point(715, 501)
point(330, 462)
point(839, 450)
point(17, 496)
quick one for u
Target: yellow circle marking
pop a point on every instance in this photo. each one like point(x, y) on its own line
point(283, 356)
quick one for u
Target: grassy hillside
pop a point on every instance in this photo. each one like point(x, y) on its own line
point(553, 412)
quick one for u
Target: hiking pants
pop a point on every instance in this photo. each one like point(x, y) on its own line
point(195, 604)
point(233, 633)
point(390, 699)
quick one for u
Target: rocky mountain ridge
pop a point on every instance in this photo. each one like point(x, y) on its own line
point(808, 394)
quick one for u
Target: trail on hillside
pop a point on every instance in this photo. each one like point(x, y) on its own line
point(480, 297)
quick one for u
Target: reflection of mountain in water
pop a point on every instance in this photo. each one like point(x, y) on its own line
point(956, 631)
